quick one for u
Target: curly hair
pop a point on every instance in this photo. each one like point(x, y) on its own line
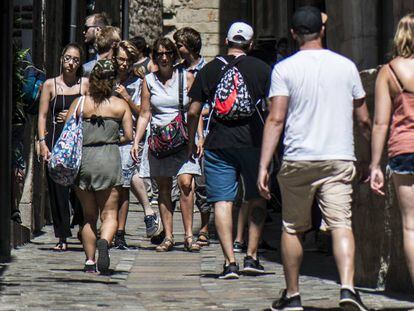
point(404, 37)
point(102, 80)
point(168, 45)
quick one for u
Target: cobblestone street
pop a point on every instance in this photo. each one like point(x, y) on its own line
point(141, 279)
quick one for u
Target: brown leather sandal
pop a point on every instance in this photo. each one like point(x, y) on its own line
point(190, 244)
point(166, 245)
point(203, 239)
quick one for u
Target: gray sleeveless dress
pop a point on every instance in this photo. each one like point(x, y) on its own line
point(101, 161)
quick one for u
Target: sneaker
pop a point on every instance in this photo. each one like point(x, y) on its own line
point(119, 241)
point(152, 225)
point(285, 303)
point(231, 271)
point(154, 202)
point(239, 247)
point(103, 255)
point(252, 266)
point(90, 266)
point(351, 301)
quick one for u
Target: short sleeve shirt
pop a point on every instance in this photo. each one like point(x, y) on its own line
point(321, 86)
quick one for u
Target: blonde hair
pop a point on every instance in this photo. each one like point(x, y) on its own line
point(130, 50)
point(404, 37)
point(107, 38)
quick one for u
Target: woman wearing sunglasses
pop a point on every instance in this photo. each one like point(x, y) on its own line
point(57, 95)
point(164, 98)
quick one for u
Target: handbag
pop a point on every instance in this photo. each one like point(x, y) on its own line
point(66, 155)
point(173, 137)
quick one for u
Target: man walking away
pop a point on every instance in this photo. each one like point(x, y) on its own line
point(314, 94)
point(236, 84)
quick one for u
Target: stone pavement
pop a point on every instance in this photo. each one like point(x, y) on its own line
point(141, 279)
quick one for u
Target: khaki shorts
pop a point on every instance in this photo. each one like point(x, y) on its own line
point(327, 181)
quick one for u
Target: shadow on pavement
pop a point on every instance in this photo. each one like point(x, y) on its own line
point(396, 296)
point(70, 280)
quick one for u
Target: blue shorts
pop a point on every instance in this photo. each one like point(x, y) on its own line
point(402, 164)
point(222, 168)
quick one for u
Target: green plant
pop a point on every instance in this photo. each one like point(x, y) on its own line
point(19, 63)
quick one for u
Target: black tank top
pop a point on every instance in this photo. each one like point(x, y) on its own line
point(58, 104)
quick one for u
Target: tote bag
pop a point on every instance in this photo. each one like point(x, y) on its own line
point(66, 155)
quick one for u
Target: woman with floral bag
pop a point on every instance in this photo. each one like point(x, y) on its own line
point(100, 174)
point(164, 101)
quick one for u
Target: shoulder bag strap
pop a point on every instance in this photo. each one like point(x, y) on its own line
point(181, 89)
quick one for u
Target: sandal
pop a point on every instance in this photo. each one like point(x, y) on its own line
point(60, 246)
point(190, 244)
point(166, 245)
point(203, 239)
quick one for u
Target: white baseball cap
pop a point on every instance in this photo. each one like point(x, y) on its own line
point(240, 29)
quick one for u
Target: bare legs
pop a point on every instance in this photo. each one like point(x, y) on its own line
point(292, 254)
point(139, 190)
point(185, 182)
point(123, 208)
point(257, 216)
point(165, 204)
point(105, 202)
point(255, 210)
point(224, 227)
point(404, 185)
point(241, 222)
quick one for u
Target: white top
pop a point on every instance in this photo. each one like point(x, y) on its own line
point(321, 86)
point(164, 98)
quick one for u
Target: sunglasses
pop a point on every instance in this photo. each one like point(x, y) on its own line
point(68, 58)
point(86, 27)
point(166, 53)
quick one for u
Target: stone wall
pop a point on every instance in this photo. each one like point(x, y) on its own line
point(145, 19)
point(202, 15)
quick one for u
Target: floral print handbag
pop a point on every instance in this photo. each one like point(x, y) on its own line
point(66, 155)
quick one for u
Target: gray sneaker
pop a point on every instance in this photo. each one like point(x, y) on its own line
point(152, 225)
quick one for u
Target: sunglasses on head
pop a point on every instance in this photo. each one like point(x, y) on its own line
point(166, 53)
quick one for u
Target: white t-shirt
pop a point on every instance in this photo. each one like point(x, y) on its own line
point(321, 86)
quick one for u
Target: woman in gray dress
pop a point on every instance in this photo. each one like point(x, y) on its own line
point(160, 104)
point(100, 174)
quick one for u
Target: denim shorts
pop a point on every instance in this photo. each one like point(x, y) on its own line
point(402, 164)
point(222, 168)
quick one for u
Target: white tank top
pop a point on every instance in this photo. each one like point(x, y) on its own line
point(164, 99)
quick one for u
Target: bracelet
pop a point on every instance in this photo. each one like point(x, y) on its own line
point(42, 139)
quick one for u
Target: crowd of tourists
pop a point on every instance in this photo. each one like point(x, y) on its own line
point(170, 127)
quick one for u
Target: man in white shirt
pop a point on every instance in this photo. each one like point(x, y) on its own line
point(314, 94)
